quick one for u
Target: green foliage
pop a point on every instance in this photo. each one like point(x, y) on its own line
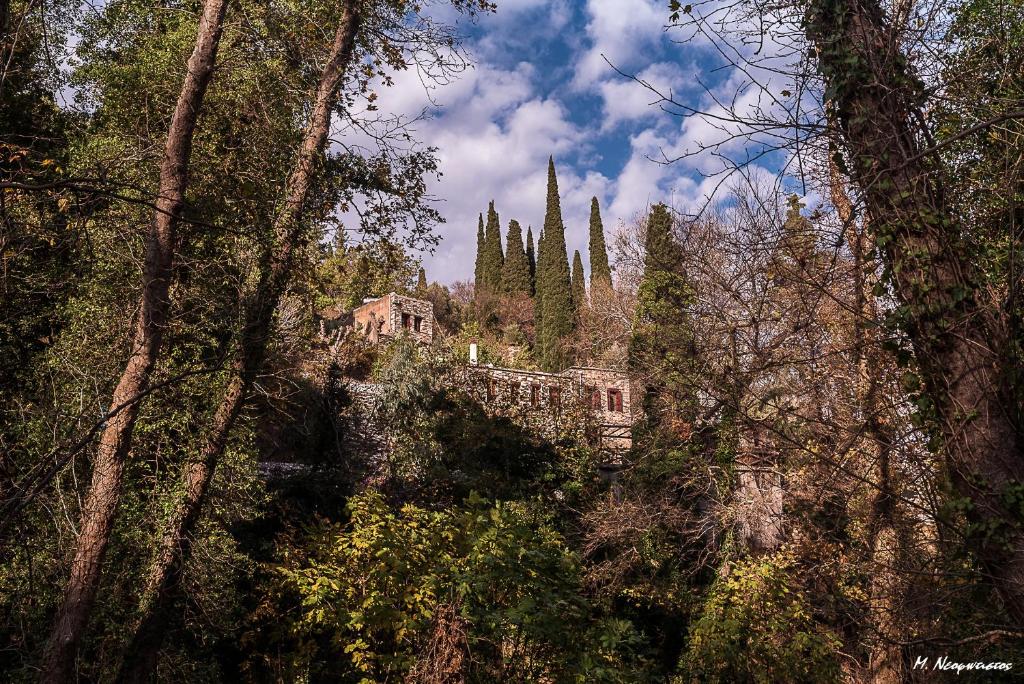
point(494, 258)
point(515, 275)
point(758, 625)
point(493, 588)
point(662, 342)
point(600, 271)
point(347, 275)
point(531, 257)
point(481, 242)
point(442, 442)
point(578, 288)
point(554, 296)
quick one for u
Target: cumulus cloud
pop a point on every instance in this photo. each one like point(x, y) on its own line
point(540, 87)
point(625, 32)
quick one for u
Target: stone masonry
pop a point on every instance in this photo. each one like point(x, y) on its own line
point(386, 316)
point(540, 398)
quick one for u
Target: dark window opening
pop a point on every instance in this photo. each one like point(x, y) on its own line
point(417, 323)
point(406, 321)
point(513, 392)
point(554, 396)
point(594, 397)
point(492, 387)
point(534, 395)
point(615, 400)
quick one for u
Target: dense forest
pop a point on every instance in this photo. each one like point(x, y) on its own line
point(826, 473)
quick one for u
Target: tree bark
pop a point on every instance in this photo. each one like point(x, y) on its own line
point(101, 501)
point(958, 344)
point(289, 234)
point(885, 661)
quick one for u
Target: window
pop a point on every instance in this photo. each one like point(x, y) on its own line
point(492, 387)
point(614, 400)
point(554, 396)
point(594, 396)
point(406, 321)
point(535, 395)
point(417, 323)
point(513, 392)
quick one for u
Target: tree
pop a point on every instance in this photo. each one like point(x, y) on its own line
point(481, 249)
point(553, 275)
point(661, 343)
point(600, 272)
point(275, 273)
point(538, 302)
point(531, 257)
point(968, 368)
point(579, 288)
point(515, 274)
point(104, 493)
point(421, 281)
point(494, 258)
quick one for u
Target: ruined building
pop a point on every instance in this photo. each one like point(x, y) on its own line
point(386, 316)
point(535, 398)
point(539, 397)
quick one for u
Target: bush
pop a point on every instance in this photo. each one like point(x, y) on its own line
point(757, 626)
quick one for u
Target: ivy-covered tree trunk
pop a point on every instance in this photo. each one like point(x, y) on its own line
point(290, 234)
point(101, 501)
point(885, 543)
point(958, 343)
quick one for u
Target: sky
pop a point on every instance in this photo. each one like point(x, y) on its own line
point(541, 86)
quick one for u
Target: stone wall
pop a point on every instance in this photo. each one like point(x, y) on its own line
point(527, 395)
point(389, 315)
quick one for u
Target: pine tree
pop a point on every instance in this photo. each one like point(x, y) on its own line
point(421, 282)
point(553, 273)
point(579, 288)
point(531, 257)
point(600, 272)
point(494, 258)
point(661, 348)
point(515, 274)
point(478, 273)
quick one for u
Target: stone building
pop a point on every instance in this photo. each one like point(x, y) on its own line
point(387, 316)
point(539, 399)
point(608, 394)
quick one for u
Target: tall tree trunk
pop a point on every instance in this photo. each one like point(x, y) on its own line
point(104, 492)
point(885, 662)
point(958, 344)
point(289, 235)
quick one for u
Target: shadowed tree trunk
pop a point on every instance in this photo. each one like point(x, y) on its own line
point(958, 343)
point(101, 501)
point(289, 236)
point(885, 662)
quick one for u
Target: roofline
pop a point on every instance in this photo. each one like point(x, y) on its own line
point(598, 368)
point(517, 370)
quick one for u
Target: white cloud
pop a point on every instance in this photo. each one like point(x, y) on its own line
point(624, 32)
point(495, 127)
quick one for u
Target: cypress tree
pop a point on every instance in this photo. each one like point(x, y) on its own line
point(578, 289)
point(478, 273)
point(515, 274)
point(421, 281)
point(538, 301)
point(494, 259)
point(531, 257)
point(600, 272)
point(661, 348)
point(553, 273)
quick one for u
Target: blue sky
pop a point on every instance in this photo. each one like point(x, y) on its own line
point(540, 87)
